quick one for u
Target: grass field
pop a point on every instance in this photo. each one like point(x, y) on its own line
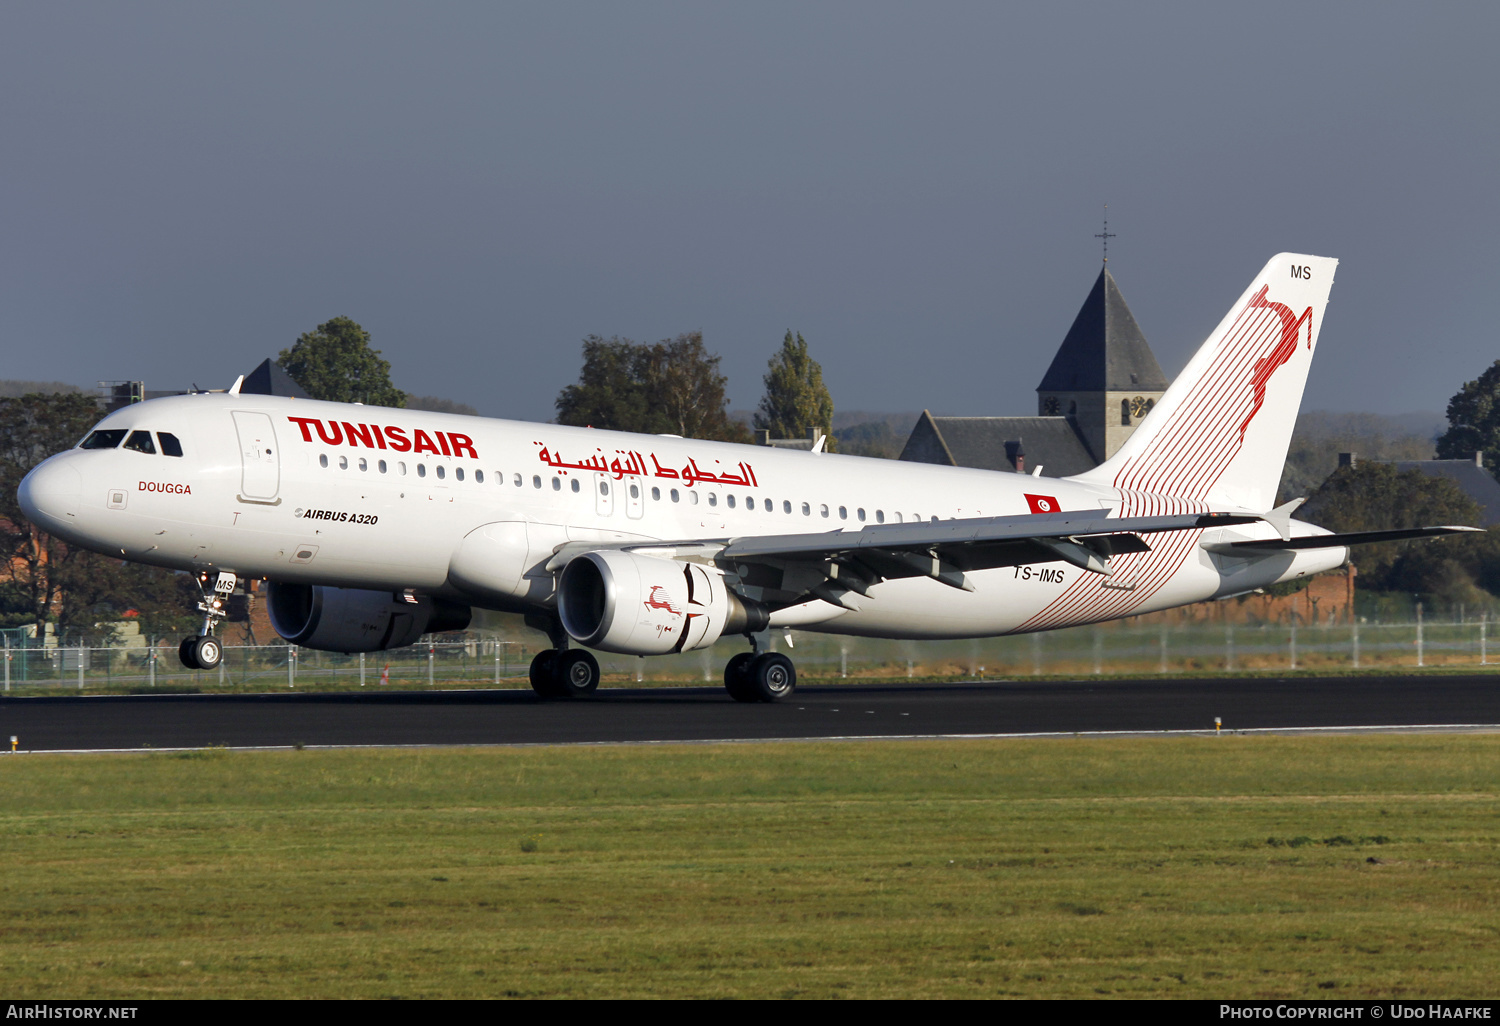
point(1193, 867)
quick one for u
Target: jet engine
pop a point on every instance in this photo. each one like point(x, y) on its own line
point(355, 620)
point(644, 605)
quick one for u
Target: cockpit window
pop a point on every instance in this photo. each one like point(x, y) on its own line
point(103, 440)
point(170, 446)
point(140, 441)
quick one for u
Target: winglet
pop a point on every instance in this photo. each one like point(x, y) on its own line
point(1281, 518)
point(234, 389)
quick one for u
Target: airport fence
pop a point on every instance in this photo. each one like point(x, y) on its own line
point(445, 661)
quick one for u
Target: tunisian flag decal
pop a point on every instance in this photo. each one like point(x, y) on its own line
point(1042, 504)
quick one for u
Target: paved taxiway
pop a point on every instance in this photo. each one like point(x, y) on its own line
point(701, 714)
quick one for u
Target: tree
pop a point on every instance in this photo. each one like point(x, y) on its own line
point(437, 404)
point(796, 398)
point(38, 567)
point(1474, 420)
point(1377, 497)
point(336, 363)
point(1319, 437)
point(671, 387)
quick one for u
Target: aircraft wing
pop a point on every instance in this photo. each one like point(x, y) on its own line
point(784, 568)
point(980, 543)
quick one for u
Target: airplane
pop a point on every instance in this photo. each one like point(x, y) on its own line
point(375, 525)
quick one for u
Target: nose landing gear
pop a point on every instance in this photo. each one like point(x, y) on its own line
point(202, 651)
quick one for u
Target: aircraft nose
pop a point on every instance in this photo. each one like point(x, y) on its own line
point(49, 494)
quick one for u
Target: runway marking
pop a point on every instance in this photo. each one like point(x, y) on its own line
point(1425, 728)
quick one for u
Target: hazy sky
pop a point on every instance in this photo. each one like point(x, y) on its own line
point(915, 187)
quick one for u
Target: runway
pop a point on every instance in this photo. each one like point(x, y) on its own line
point(707, 714)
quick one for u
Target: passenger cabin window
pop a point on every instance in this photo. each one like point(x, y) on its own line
point(786, 505)
point(575, 484)
point(843, 513)
point(103, 440)
point(343, 463)
point(382, 466)
point(479, 477)
point(140, 441)
point(323, 460)
point(728, 498)
point(823, 509)
point(557, 484)
point(713, 500)
point(536, 481)
point(693, 498)
point(442, 472)
point(364, 464)
point(170, 446)
point(655, 494)
point(674, 495)
point(458, 473)
point(421, 470)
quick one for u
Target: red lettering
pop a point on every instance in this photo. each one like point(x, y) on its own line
point(423, 443)
point(462, 444)
point(398, 438)
point(353, 431)
point(379, 438)
point(338, 436)
point(443, 441)
point(141, 487)
point(302, 423)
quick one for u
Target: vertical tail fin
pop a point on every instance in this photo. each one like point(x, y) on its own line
point(1221, 431)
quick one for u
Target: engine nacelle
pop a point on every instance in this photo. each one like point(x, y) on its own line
point(644, 605)
point(355, 620)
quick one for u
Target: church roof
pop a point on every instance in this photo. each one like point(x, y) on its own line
point(993, 443)
point(270, 379)
point(1104, 350)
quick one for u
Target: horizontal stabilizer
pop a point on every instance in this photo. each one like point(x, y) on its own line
point(1329, 541)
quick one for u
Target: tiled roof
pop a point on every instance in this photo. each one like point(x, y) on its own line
point(990, 443)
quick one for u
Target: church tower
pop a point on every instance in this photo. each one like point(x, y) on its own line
point(1104, 379)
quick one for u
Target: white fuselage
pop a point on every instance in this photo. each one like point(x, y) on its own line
point(272, 487)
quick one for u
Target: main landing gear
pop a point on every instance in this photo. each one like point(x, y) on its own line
point(562, 672)
point(763, 677)
point(202, 651)
point(570, 673)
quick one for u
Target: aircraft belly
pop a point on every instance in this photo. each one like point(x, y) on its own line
point(1005, 600)
point(916, 608)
